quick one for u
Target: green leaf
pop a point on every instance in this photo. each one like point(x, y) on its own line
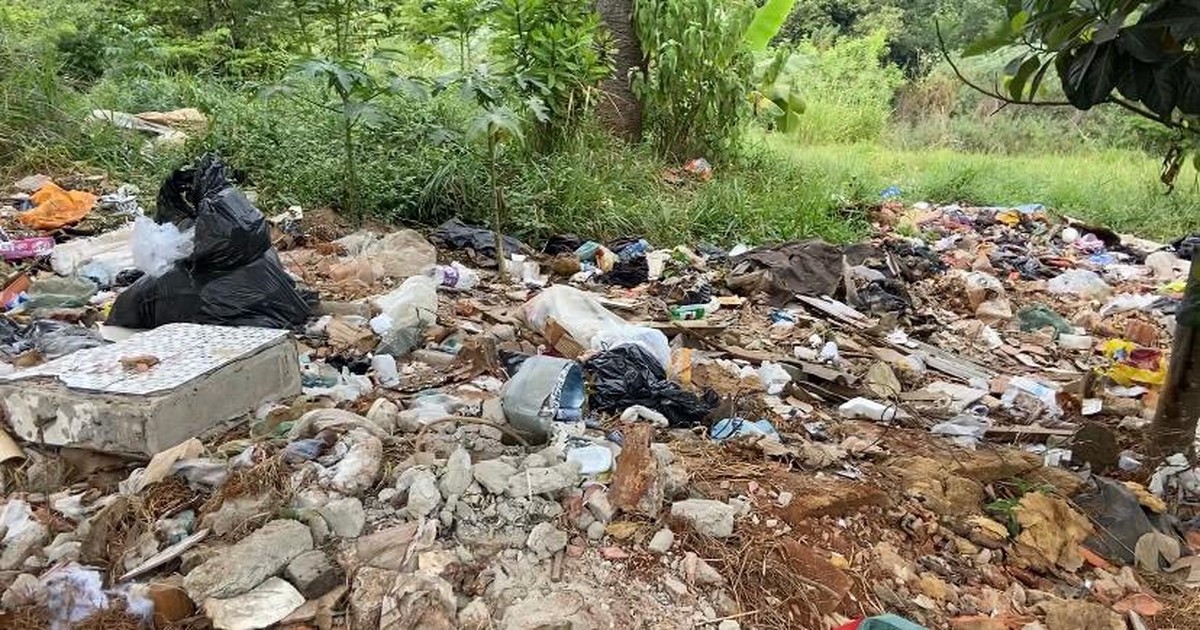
point(496, 125)
point(1090, 74)
point(1016, 86)
point(768, 19)
point(986, 45)
point(1018, 21)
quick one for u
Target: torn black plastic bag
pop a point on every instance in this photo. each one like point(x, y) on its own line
point(1120, 519)
point(627, 375)
point(258, 294)
point(232, 278)
point(230, 231)
point(479, 242)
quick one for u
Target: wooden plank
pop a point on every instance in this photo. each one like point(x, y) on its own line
point(1031, 434)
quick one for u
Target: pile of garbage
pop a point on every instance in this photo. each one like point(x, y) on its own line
point(939, 427)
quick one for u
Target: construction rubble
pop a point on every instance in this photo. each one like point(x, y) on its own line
point(218, 420)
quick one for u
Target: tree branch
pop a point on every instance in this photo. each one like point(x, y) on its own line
point(1145, 113)
point(982, 90)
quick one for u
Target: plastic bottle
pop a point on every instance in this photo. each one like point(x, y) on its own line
point(406, 312)
point(869, 409)
point(454, 276)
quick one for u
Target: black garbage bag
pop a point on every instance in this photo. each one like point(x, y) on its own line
point(1187, 246)
point(627, 375)
point(628, 273)
point(561, 244)
point(480, 242)
point(232, 278)
point(258, 294)
point(230, 231)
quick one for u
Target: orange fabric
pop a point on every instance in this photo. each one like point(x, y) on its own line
point(57, 207)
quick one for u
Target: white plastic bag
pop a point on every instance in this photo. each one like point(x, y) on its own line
point(592, 325)
point(1079, 282)
point(156, 248)
point(405, 313)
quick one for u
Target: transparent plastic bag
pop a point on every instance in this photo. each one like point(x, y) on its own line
point(157, 247)
point(1079, 282)
point(405, 313)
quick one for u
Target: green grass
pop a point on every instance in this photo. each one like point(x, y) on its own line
point(1119, 189)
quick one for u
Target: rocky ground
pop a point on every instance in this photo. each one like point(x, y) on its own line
point(956, 440)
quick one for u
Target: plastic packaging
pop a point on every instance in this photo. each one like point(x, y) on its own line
point(54, 292)
point(965, 429)
point(543, 390)
point(428, 408)
point(637, 412)
point(774, 377)
point(1128, 302)
point(156, 248)
point(739, 427)
point(1079, 282)
point(112, 248)
point(1076, 342)
point(454, 276)
point(593, 459)
point(385, 370)
point(1047, 395)
point(1039, 316)
point(869, 409)
point(590, 324)
point(405, 313)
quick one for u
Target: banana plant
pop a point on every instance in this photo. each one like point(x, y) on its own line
point(768, 19)
point(775, 94)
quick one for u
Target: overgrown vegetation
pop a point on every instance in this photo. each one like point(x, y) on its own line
point(374, 104)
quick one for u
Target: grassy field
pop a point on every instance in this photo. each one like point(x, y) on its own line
point(1119, 189)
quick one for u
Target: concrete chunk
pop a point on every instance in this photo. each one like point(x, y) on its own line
point(206, 375)
point(246, 564)
point(313, 574)
point(711, 518)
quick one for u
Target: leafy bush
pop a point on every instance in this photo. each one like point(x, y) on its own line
point(555, 52)
point(697, 71)
point(847, 87)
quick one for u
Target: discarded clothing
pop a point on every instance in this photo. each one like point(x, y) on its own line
point(811, 267)
point(627, 375)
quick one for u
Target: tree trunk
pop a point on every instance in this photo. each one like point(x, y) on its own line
point(619, 108)
point(1174, 428)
